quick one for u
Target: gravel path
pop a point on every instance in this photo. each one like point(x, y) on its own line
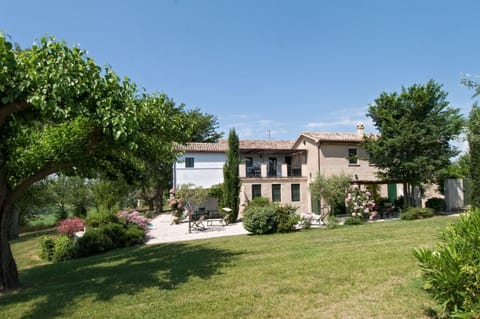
point(163, 231)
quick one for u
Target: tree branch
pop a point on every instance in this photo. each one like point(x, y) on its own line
point(41, 174)
point(11, 108)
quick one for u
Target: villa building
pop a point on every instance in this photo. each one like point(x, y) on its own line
point(283, 170)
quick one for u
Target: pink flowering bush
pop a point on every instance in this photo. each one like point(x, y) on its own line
point(359, 202)
point(133, 218)
point(70, 226)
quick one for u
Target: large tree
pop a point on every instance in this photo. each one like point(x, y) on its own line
point(203, 128)
point(474, 145)
point(473, 135)
point(61, 112)
point(231, 177)
point(416, 127)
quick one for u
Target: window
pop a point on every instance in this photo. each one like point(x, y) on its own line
point(352, 156)
point(272, 167)
point(256, 191)
point(189, 162)
point(276, 193)
point(295, 192)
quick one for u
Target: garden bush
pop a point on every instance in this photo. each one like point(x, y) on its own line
point(134, 235)
point(353, 220)
point(416, 213)
point(134, 217)
point(63, 248)
point(436, 204)
point(94, 241)
point(263, 217)
point(96, 219)
point(260, 220)
point(451, 270)
point(47, 244)
point(70, 226)
point(56, 248)
point(116, 233)
point(285, 218)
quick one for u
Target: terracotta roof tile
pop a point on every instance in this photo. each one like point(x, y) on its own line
point(222, 146)
point(333, 137)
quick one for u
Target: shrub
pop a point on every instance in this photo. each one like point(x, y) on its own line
point(353, 221)
point(450, 271)
point(259, 202)
point(134, 235)
point(63, 248)
point(286, 218)
point(436, 204)
point(47, 244)
point(95, 219)
point(116, 233)
point(133, 218)
point(416, 213)
point(259, 220)
point(70, 226)
point(56, 248)
point(92, 242)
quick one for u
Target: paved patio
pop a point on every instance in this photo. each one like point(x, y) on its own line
point(163, 231)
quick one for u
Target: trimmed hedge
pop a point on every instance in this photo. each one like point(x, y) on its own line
point(413, 213)
point(436, 204)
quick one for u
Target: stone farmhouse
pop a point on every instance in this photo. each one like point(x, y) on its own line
point(283, 170)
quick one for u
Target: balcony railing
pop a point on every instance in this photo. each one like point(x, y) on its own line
point(264, 171)
point(253, 172)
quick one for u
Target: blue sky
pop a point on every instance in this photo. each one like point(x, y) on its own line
point(269, 68)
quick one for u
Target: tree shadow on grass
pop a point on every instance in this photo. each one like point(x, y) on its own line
point(124, 271)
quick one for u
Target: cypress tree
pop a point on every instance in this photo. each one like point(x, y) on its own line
point(231, 178)
point(474, 146)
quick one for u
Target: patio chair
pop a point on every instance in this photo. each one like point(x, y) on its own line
point(198, 224)
point(218, 221)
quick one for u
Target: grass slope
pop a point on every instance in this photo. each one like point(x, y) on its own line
point(363, 271)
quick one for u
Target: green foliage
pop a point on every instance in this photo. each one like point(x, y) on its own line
point(286, 218)
point(259, 220)
point(474, 144)
point(116, 232)
point(353, 221)
point(416, 127)
point(216, 191)
point(47, 244)
point(57, 248)
point(205, 127)
point(98, 218)
point(192, 197)
point(94, 241)
point(64, 248)
point(413, 213)
point(259, 202)
point(231, 176)
point(263, 217)
point(332, 189)
point(451, 270)
point(436, 204)
point(108, 194)
point(135, 235)
point(61, 112)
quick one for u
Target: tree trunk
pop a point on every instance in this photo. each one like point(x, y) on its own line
point(159, 199)
point(9, 279)
point(14, 229)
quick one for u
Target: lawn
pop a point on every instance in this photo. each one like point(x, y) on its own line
point(365, 271)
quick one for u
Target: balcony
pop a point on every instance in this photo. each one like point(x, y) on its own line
point(263, 171)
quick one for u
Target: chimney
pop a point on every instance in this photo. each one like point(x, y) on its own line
point(360, 129)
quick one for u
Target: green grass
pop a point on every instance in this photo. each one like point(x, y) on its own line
point(363, 271)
